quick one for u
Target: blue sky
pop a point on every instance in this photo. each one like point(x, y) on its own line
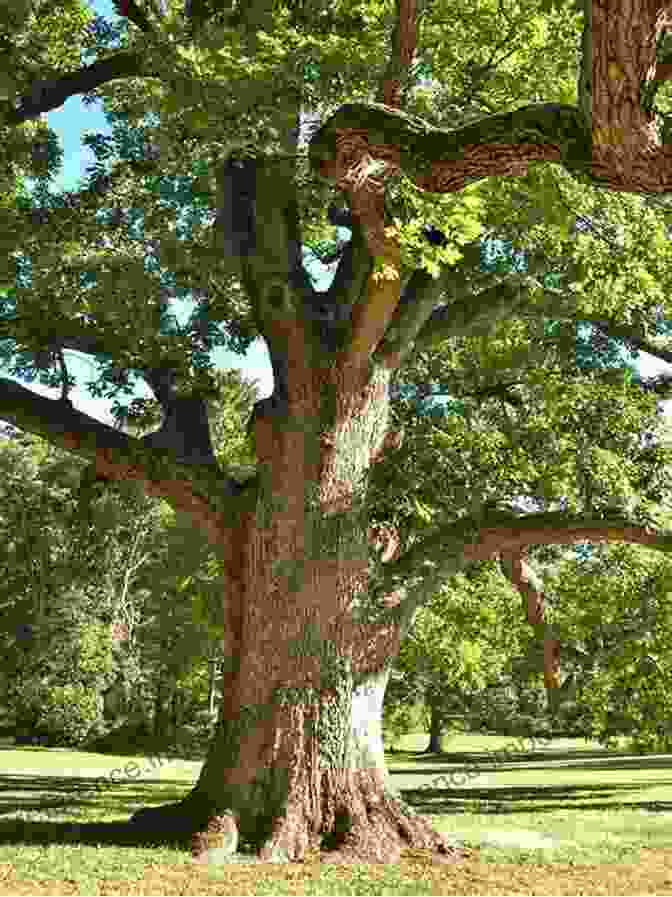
point(70, 122)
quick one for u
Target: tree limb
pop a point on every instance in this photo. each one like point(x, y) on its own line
point(417, 304)
point(88, 343)
point(185, 428)
point(531, 588)
point(619, 331)
point(117, 456)
point(474, 312)
point(660, 384)
point(51, 93)
point(663, 71)
point(352, 273)
point(446, 161)
point(479, 538)
point(404, 41)
point(508, 294)
point(372, 313)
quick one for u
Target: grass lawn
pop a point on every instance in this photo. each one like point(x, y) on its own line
point(565, 818)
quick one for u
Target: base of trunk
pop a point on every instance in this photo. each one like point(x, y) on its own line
point(360, 822)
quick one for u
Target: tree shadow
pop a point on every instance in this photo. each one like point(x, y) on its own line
point(25, 793)
point(22, 794)
point(116, 834)
point(502, 756)
point(510, 748)
point(530, 799)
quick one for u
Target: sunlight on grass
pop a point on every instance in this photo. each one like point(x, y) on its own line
point(540, 811)
point(83, 763)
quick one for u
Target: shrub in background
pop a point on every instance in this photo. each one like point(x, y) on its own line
point(400, 720)
point(70, 713)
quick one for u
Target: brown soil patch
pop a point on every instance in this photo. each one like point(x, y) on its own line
point(652, 875)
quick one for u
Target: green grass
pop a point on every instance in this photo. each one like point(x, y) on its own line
point(602, 807)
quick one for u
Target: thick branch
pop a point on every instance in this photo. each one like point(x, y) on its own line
point(352, 273)
point(257, 229)
point(507, 295)
point(185, 429)
point(619, 331)
point(473, 539)
point(445, 161)
point(622, 151)
point(197, 490)
point(474, 312)
point(372, 314)
point(80, 339)
point(663, 72)
point(531, 588)
point(418, 300)
point(53, 92)
point(661, 385)
point(558, 528)
point(499, 390)
point(418, 320)
point(83, 340)
point(404, 40)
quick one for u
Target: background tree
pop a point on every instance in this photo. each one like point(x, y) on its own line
point(472, 412)
point(613, 614)
point(459, 644)
point(106, 579)
point(49, 636)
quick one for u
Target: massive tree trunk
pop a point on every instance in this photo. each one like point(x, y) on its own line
point(297, 762)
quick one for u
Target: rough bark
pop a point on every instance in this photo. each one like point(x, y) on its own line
point(297, 762)
point(611, 137)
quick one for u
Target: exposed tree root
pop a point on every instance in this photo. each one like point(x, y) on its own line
point(372, 825)
point(358, 822)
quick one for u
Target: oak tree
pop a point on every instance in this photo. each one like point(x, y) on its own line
point(207, 97)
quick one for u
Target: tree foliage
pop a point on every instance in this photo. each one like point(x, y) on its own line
point(612, 609)
point(70, 581)
point(207, 190)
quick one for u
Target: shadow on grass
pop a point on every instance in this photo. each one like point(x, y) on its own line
point(166, 753)
point(27, 794)
point(504, 755)
point(118, 834)
point(530, 799)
